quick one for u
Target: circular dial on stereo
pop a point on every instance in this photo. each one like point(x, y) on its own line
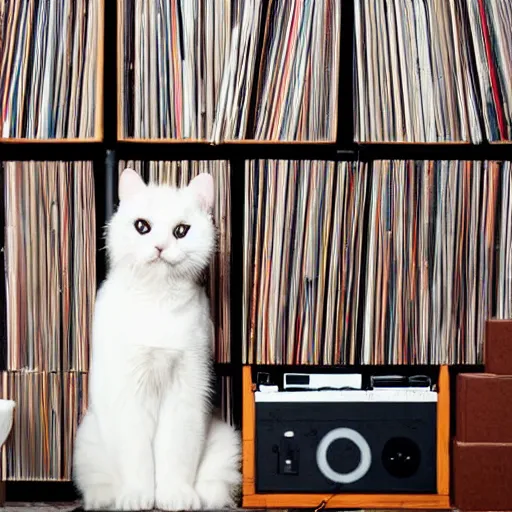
point(354, 446)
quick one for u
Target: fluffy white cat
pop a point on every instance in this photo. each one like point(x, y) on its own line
point(149, 438)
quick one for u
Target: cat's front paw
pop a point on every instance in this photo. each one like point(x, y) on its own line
point(98, 503)
point(133, 499)
point(215, 495)
point(177, 498)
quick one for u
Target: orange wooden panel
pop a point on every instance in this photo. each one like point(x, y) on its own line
point(421, 144)
point(148, 140)
point(248, 434)
point(431, 144)
point(50, 141)
point(246, 142)
point(443, 432)
point(345, 501)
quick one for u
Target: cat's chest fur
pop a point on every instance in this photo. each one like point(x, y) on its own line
point(163, 319)
point(160, 323)
point(149, 337)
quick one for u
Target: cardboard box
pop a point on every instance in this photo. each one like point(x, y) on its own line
point(482, 476)
point(484, 408)
point(498, 347)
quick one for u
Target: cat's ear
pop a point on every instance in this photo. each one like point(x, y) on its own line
point(130, 183)
point(203, 189)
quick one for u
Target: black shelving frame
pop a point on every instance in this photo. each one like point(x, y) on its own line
point(107, 153)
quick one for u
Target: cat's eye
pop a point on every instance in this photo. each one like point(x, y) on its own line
point(181, 230)
point(142, 226)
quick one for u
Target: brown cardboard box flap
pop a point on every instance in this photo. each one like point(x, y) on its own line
point(484, 408)
point(498, 347)
point(482, 476)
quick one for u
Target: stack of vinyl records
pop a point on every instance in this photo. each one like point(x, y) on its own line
point(50, 286)
point(189, 69)
point(393, 262)
point(50, 73)
point(436, 71)
point(50, 264)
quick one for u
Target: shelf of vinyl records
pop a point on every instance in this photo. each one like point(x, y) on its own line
point(402, 94)
point(63, 56)
point(62, 275)
point(432, 72)
point(40, 445)
point(244, 72)
point(385, 262)
point(160, 46)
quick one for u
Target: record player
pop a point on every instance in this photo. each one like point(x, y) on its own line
point(326, 441)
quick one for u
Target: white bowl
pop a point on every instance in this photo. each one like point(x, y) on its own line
point(6, 417)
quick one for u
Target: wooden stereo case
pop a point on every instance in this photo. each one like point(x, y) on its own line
point(440, 500)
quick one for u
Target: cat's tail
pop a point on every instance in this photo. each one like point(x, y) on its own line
point(219, 478)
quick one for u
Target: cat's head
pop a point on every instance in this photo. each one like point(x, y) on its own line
point(161, 229)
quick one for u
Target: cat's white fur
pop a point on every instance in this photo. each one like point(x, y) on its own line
point(149, 438)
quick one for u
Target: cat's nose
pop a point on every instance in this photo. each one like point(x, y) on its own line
point(159, 249)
